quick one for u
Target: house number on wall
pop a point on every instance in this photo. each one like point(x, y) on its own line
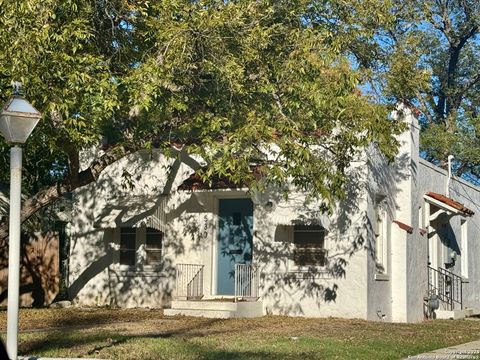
point(205, 226)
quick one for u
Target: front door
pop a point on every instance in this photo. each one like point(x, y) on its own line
point(234, 241)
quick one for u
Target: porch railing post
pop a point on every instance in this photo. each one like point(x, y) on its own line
point(189, 281)
point(246, 281)
point(236, 280)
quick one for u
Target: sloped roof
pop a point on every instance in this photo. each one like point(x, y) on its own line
point(450, 202)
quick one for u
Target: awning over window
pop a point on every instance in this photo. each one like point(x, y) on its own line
point(134, 212)
point(447, 204)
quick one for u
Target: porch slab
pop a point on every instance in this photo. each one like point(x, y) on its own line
point(216, 309)
point(454, 314)
point(212, 314)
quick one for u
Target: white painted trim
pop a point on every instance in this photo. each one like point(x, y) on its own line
point(464, 248)
point(432, 241)
point(447, 208)
point(421, 217)
point(214, 258)
point(443, 246)
point(385, 237)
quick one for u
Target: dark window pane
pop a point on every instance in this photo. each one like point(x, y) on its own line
point(127, 231)
point(127, 257)
point(153, 246)
point(127, 246)
point(309, 239)
point(127, 238)
point(309, 236)
point(309, 257)
point(237, 218)
point(154, 239)
point(317, 228)
point(127, 243)
point(309, 245)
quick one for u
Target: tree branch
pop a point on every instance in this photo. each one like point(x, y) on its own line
point(53, 193)
point(424, 109)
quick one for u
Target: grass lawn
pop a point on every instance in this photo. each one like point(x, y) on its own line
point(146, 334)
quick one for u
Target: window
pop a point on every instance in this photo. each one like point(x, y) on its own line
point(464, 249)
point(380, 229)
point(309, 244)
point(127, 246)
point(421, 219)
point(153, 246)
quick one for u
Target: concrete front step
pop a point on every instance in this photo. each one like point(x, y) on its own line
point(214, 314)
point(216, 309)
point(204, 304)
point(455, 314)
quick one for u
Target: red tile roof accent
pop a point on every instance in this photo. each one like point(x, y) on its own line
point(412, 107)
point(451, 202)
point(194, 182)
point(404, 226)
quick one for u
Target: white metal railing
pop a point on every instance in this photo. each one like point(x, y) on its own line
point(247, 277)
point(189, 281)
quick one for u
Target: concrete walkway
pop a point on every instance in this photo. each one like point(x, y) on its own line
point(469, 350)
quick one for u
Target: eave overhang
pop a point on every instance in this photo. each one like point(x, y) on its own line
point(447, 205)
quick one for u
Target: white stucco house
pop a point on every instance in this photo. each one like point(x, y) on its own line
point(404, 235)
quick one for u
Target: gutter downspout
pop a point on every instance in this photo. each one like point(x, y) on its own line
point(447, 190)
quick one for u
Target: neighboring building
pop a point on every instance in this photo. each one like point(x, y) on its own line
point(148, 231)
point(40, 267)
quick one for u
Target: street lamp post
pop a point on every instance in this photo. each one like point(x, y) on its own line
point(18, 118)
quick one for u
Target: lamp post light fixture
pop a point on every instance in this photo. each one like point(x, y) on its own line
point(18, 118)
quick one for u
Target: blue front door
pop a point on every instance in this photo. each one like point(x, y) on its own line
point(234, 241)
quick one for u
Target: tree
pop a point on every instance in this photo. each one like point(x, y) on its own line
point(453, 120)
point(430, 57)
point(239, 83)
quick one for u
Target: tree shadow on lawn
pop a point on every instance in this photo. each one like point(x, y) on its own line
point(105, 344)
point(191, 350)
point(204, 340)
point(54, 340)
